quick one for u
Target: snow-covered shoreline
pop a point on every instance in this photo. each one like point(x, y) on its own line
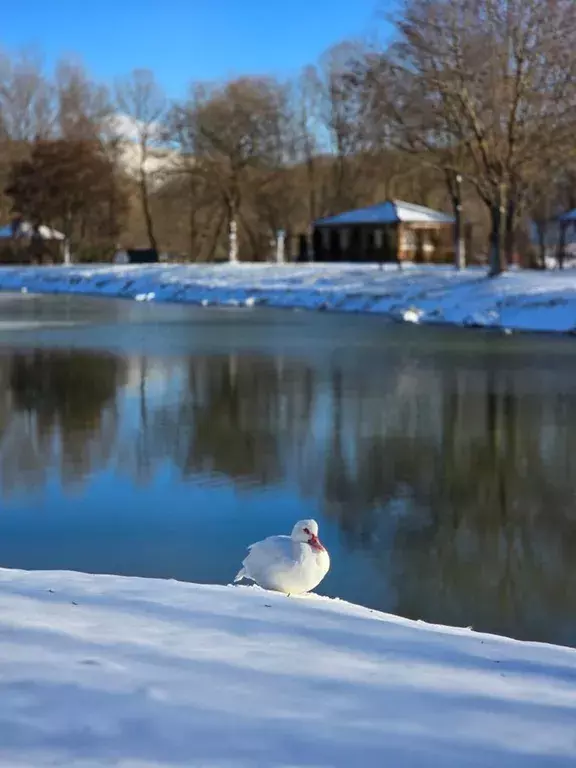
point(519, 300)
point(135, 673)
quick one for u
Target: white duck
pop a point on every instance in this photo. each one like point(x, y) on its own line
point(291, 564)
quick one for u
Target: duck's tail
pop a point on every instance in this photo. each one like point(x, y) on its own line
point(240, 575)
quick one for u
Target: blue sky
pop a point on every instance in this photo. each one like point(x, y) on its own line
point(183, 40)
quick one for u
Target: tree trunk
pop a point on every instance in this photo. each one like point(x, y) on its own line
point(232, 233)
point(68, 225)
point(459, 245)
point(497, 262)
point(512, 204)
point(561, 251)
point(211, 252)
point(311, 180)
point(147, 213)
point(145, 198)
point(280, 247)
point(340, 200)
point(454, 184)
point(232, 202)
point(509, 231)
point(192, 234)
point(233, 241)
point(541, 235)
point(192, 228)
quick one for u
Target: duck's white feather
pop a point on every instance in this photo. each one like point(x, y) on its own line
point(281, 564)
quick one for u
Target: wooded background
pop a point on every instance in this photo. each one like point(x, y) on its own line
point(469, 107)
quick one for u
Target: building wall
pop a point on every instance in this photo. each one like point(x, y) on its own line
point(426, 244)
point(421, 243)
point(356, 244)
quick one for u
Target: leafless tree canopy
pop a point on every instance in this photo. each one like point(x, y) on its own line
point(485, 89)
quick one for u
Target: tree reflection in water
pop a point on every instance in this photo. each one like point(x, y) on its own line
point(58, 415)
point(452, 477)
point(457, 485)
point(463, 494)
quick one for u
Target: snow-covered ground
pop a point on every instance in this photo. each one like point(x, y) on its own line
point(134, 673)
point(521, 300)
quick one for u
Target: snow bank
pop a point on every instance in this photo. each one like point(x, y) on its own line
point(520, 300)
point(111, 671)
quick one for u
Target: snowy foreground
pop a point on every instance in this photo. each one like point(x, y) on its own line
point(522, 300)
point(110, 671)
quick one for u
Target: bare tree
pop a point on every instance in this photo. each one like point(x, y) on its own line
point(343, 116)
point(236, 134)
point(549, 197)
point(401, 116)
point(502, 81)
point(140, 98)
point(67, 184)
point(26, 103)
point(306, 108)
point(83, 107)
point(26, 111)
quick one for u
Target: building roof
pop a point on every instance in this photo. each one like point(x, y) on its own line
point(388, 212)
point(25, 230)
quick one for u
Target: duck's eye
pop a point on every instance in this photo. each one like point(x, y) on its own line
point(307, 531)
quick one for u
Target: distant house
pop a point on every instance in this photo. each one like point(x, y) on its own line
point(554, 235)
point(21, 242)
point(23, 229)
point(392, 231)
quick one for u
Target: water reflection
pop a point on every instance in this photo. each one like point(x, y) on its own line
point(57, 415)
point(450, 484)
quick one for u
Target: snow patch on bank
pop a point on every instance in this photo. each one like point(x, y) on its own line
point(520, 300)
point(105, 670)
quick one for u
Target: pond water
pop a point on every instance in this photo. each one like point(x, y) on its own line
point(161, 440)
